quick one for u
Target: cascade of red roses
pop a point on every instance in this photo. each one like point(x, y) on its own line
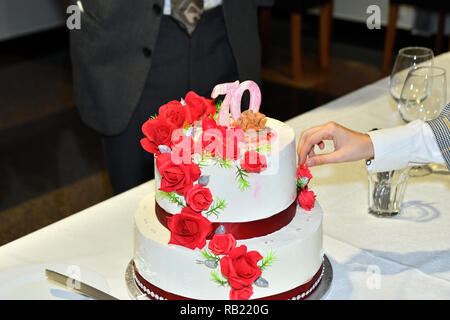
point(238, 265)
point(198, 128)
point(306, 198)
point(170, 137)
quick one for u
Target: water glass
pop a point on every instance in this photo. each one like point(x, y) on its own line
point(424, 94)
point(407, 59)
point(386, 191)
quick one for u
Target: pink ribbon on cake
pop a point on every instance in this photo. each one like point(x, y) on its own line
point(244, 230)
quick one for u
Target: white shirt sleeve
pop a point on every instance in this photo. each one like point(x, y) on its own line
point(398, 147)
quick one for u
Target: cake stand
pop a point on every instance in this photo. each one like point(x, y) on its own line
point(319, 293)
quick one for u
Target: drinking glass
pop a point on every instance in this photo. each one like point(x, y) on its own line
point(407, 59)
point(386, 191)
point(423, 96)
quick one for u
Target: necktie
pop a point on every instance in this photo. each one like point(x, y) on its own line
point(187, 13)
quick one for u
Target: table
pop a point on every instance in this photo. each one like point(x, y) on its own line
point(404, 257)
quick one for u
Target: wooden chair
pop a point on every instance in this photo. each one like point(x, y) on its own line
point(296, 9)
point(443, 7)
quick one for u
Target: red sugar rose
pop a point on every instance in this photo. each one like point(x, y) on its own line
point(253, 161)
point(303, 171)
point(198, 106)
point(182, 148)
point(306, 199)
point(157, 132)
point(222, 244)
point(198, 198)
point(222, 142)
point(211, 140)
point(176, 177)
point(208, 123)
point(175, 113)
point(188, 229)
point(240, 267)
point(241, 294)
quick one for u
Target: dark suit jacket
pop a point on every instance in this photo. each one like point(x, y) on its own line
point(111, 54)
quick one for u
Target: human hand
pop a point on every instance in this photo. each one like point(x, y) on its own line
point(348, 145)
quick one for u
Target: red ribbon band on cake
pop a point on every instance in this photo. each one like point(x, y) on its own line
point(243, 230)
point(298, 293)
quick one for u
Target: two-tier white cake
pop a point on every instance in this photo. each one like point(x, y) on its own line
point(227, 219)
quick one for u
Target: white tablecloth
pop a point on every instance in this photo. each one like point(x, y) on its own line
point(405, 257)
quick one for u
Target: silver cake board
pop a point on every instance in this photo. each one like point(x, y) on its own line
point(321, 291)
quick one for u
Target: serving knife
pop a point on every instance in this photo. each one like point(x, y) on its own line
point(82, 288)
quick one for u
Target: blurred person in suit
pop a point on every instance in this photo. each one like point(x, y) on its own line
point(131, 57)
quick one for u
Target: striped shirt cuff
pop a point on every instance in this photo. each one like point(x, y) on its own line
point(441, 130)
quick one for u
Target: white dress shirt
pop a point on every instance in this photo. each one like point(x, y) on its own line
point(398, 147)
point(207, 4)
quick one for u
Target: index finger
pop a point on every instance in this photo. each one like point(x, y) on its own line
point(315, 138)
point(305, 134)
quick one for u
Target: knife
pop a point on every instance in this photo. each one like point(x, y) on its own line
point(83, 288)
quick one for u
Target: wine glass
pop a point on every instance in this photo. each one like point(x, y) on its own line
point(407, 59)
point(423, 96)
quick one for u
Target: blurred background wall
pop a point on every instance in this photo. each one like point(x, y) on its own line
point(21, 17)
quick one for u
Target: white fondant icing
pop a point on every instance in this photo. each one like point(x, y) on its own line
point(297, 247)
point(270, 191)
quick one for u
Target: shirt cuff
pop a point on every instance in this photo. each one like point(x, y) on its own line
point(392, 148)
point(398, 147)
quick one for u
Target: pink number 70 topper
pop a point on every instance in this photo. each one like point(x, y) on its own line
point(233, 92)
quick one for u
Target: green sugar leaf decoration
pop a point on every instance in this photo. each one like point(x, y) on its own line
point(172, 197)
point(218, 278)
point(218, 105)
point(223, 163)
point(209, 255)
point(302, 182)
point(188, 128)
point(215, 276)
point(241, 179)
point(203, 161)
point(215, 208)
point(267, 260)
point(266, 148)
